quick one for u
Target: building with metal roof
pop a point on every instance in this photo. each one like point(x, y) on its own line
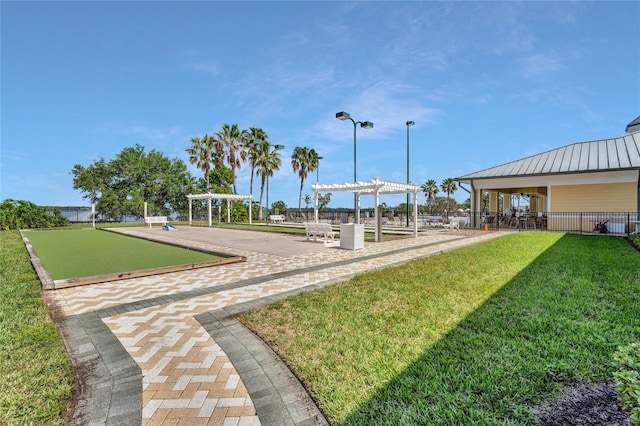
point(634, 126)
point(621, 153)
point(594, 176)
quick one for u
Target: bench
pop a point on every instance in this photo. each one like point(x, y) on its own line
point(316, 229)
point(149, 220)
point(276, 218)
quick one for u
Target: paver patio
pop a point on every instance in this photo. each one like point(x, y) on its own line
point(166, 349)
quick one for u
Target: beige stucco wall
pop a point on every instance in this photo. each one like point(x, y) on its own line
point(609, 197)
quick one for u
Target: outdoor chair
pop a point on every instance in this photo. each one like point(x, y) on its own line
point(453, 225)
point(514, 222)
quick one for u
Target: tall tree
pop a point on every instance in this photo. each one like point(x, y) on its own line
point(234, 141)
point(430, 189)
point(303, 161)
point(203, 152)
point(448, 185)
point(93, 180)
point(220, 178)
point(255, 135)
point(267, 161)
point(122, 185)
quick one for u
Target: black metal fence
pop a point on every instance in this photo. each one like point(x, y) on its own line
point(83, 215)
point(620, 223)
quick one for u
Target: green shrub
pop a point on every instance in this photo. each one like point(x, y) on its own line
point(627, 362)
point(20, 214)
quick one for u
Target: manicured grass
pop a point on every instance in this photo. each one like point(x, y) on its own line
point(37, 379)
point(478, 335)
point(284, 229)
point(88, 252)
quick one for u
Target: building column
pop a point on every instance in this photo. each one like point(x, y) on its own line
point(493, 202)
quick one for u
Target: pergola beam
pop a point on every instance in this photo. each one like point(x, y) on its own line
point(213, 196)
point(375, 187)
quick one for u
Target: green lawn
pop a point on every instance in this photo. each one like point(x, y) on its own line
point(37, 379)
point(478, 335)
point(473, 336)
point(87, 252)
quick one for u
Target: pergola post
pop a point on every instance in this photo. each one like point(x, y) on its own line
point(315, 207)
point(415, 214)
point(209, 196)
point(376, 202)
point(374, 187)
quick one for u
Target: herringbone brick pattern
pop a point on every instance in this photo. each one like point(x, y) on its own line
point(187, 377)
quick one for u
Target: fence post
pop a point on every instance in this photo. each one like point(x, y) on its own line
point(628, 224)
point(580, 221)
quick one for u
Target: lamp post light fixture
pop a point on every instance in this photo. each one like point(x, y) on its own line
point(365, 125)
point(409, 124)
point(318, 169)
point(317, 195)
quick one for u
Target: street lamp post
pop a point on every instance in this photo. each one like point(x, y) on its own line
point(409, 124)
point(269, 153)
point(318, 169)
point(317, 195)
point(365, 125)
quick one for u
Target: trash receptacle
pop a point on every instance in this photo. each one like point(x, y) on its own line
point(351, 236)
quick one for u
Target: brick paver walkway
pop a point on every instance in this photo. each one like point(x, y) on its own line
point(165, 349)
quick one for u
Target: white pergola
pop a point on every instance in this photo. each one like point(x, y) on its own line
point(375, 187)
point(209, 196)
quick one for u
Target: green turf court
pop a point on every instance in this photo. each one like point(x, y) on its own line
point(82, 253)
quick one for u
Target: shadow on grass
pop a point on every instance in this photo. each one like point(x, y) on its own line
point(556, 323)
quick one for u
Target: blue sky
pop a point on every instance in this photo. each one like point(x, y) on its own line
point(486, 83)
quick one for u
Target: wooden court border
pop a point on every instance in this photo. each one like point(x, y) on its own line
point(49, 284)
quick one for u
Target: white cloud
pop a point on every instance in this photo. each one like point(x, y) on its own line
point(141, 131)
point(541, 66)
point(389, 105)
point(206, 67)
point(200, 63)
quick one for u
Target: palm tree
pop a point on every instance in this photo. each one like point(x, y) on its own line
point(203, 153)
point(234, 141)
point(430, 189)
point(218, 152)
point(255, 135)
point(303, 161)
point(267, 160)
point(449, 186)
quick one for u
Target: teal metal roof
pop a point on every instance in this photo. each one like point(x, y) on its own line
point(621, 153)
